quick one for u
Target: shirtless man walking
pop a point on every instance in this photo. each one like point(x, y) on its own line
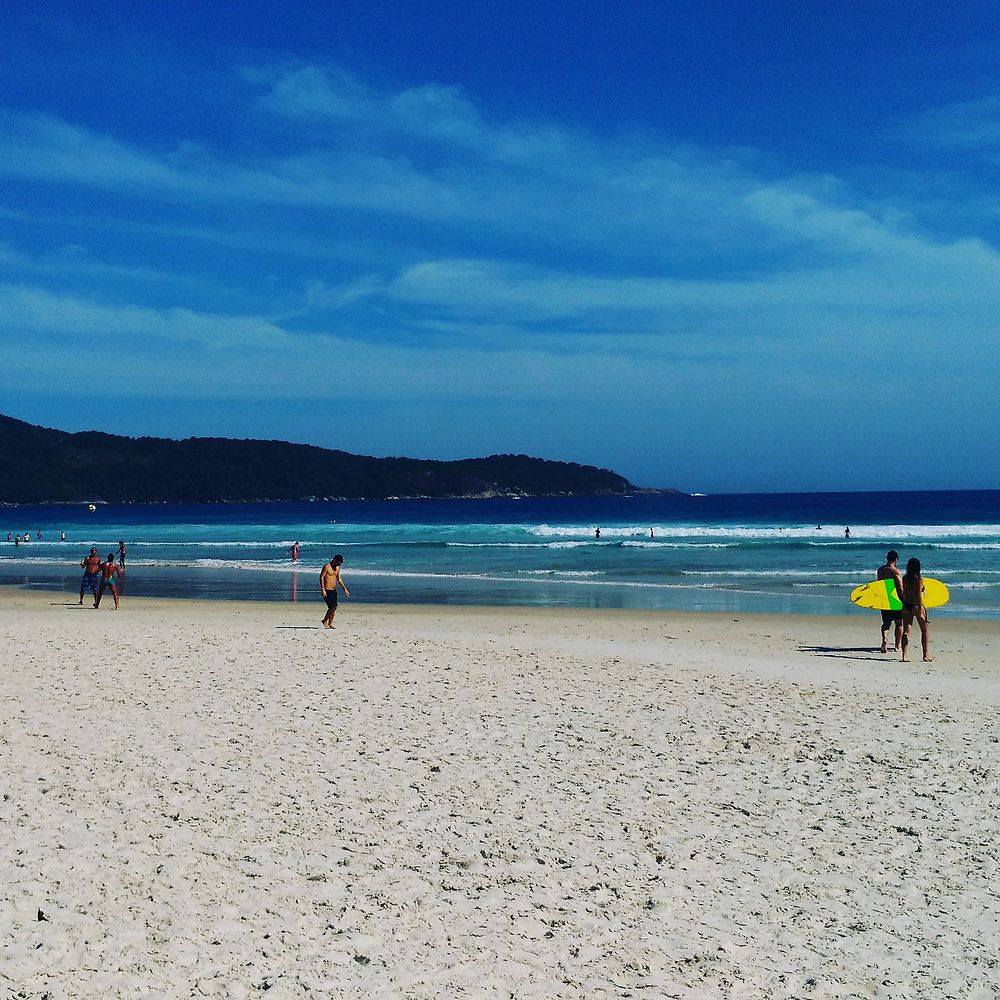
point(912, 596)
point(890, 571)
point(91, 574)
point(328, 581)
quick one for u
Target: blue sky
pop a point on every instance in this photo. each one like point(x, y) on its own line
point(719, 246)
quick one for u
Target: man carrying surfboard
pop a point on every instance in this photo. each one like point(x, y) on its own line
point(912, 594)
point(890, 571)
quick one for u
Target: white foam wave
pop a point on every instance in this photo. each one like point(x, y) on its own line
point(561, 572)
point(765, 573)
point(869, 532)
point(248, 565)
point(968, 546)
point(675, 545)
point(497, 545)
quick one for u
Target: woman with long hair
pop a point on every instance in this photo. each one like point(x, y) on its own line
point(914, 610)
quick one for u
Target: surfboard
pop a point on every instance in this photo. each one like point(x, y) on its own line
point(881, 595)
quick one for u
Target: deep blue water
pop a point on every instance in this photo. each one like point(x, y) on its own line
point(764, 552)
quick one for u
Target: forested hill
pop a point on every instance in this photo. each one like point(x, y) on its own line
point(39, 465)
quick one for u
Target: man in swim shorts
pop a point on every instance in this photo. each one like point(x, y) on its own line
point(91, 574)
point(109, 570)
point(890, 571)
point(328, 581)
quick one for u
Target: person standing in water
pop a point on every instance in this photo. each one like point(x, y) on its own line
point(912, 596)
point(329, 579)
point(121, 554)
point(109, 570)
point(294, 550)
point(890, 571)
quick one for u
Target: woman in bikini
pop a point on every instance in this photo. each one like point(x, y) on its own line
point(914, 610)
point(109, 570)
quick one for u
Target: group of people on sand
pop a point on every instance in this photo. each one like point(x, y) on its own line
point(99, 575)
point(910, 588)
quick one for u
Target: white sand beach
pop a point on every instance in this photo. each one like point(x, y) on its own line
point(225, 800)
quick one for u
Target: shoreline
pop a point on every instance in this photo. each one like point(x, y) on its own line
point(221, 797)
point(310, 596)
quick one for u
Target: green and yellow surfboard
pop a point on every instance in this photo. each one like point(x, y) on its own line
point(880, 595)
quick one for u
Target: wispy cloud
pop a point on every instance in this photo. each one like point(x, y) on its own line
point(972, 126)
point(427, 251)
point(530, 192)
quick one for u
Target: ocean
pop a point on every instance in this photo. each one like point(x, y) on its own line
point(735, 553)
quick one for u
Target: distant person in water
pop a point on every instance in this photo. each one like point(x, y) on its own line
point(121, 554)
point(328, 582)
point(62, 536)
point(294, 550)
point(91, 581)
point(890, 571)
point(109, 570)
point(847, 532)
point(913, 609)
point(597, 533)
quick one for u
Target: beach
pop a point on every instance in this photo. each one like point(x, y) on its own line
point(225, 800)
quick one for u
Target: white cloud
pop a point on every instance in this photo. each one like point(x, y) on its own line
point(497, 261)
point(64, 320)
point(536, 190)
point(899, 281)
point(179, 353)
point(45, 147)
point(972, 126)
point(312, 93)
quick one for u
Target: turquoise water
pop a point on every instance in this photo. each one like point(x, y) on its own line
point(778, 552)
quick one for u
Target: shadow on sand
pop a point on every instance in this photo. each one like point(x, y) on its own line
point(845, 652)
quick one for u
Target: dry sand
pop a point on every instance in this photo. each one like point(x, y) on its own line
point(226, 800)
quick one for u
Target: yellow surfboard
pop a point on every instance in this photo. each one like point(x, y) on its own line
point(880, 595)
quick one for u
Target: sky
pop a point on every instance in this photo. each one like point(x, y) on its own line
point(718, 246)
